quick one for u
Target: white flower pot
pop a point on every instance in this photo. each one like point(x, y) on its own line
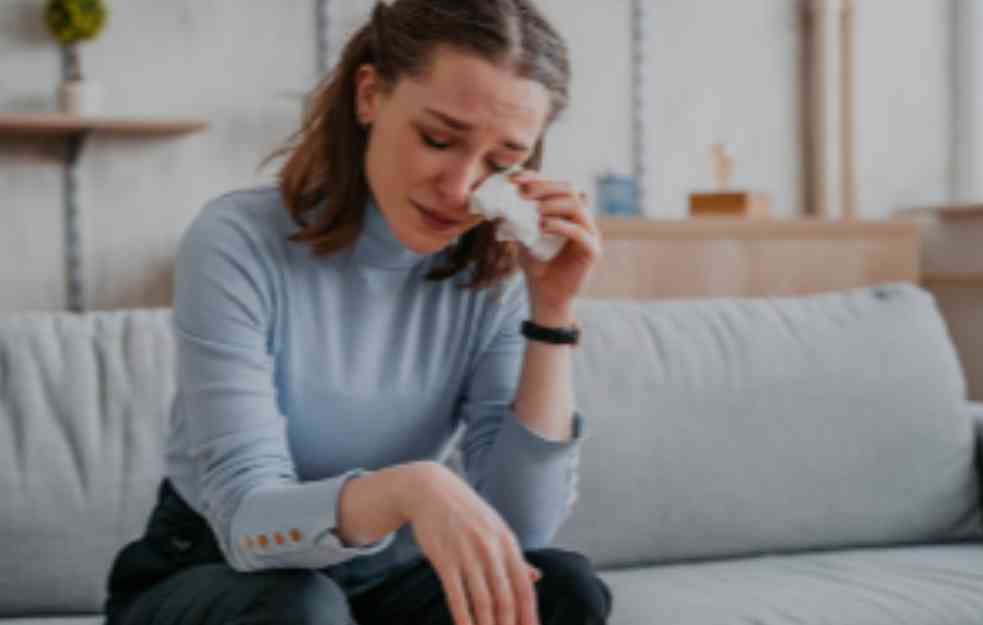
point(79, 97)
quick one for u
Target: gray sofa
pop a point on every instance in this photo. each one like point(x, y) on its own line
point(771, 461)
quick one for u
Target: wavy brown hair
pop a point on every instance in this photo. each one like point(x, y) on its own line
point(325, 163)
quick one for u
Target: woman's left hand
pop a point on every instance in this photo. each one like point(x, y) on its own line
point(564, 211)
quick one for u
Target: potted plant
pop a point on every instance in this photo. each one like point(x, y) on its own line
point(72, 22)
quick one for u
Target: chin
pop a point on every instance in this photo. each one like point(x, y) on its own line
point(419, 240)
point(423, 239)
point(429, 246)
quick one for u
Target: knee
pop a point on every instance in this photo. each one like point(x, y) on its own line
point(570, 587)
point(308, 598)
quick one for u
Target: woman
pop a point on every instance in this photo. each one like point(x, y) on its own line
point(334, 333)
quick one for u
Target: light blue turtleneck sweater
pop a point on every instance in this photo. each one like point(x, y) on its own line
point(297, 373)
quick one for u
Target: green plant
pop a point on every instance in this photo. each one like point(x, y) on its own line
point(74, 21)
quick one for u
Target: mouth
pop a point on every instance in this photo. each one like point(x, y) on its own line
point(435, 220)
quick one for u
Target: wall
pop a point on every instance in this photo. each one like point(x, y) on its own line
point(727, 71)
point(724, 72)
point(229, 62)
point(967, 135)
point(903, 88)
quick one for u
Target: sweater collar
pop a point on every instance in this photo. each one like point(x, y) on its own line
point(378, 246)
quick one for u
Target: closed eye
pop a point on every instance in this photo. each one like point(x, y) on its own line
point(430, 141)
point(437, 145)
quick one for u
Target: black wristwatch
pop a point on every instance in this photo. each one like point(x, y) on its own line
point(556, 336)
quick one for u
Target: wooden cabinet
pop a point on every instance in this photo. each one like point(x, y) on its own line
point(750, 257)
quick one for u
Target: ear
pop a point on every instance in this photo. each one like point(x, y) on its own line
point(367, 92)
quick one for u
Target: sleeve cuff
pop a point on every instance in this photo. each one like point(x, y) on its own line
point(533, 481)
point(294, 526)
point(518, 433)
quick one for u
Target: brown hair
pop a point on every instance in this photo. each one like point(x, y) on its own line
point(325, 157)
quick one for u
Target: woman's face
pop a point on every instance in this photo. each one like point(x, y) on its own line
point(434, 140)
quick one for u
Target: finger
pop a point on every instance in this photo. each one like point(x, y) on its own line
point(524, 175)
point(502, 585)
point(543, 189)
point(519, 177)
point(583, 238)
point(479, 597)
point(525, 594)
point(457, 601)
point(534, 573)
point(569, 208)
point(530, 180)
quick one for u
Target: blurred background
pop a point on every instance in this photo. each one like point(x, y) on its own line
point(832, 109)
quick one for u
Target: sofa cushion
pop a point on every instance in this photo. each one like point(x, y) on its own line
point(726, 427)
point(83, 403)
point(937, 585)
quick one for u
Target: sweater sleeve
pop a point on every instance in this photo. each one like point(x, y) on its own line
point(529, 479)
point(262, 516)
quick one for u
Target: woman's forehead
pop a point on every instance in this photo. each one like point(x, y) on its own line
point(480, 94)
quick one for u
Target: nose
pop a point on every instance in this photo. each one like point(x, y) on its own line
point(457, 182)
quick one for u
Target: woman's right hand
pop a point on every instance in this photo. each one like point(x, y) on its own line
point(485, 576)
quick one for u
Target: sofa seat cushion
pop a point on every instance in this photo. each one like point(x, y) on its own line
point(929, 585)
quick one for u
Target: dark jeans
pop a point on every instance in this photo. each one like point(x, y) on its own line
point(176, 575)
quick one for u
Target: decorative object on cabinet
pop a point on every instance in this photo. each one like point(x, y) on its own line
point(723, 200)
point(75, 129)
point(71, 22)
point(617, 195)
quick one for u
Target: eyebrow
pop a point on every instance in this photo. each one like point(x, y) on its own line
point(458, 124)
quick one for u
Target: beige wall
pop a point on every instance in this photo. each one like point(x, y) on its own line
point(727, 70)
point(230, 62)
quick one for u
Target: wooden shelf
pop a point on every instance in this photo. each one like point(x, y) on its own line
point(967, 279)
point(946, 212)
point(74, 131)
point(58, 124)
point(753, 228)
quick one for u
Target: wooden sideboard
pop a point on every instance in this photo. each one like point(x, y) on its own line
point(952, 269)
point(704, 257)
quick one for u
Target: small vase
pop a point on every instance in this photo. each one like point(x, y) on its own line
point(79, 97)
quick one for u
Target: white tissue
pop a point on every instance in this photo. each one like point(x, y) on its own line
point(498, 197)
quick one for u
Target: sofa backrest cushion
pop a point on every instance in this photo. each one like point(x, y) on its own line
point(713, 428)
point(728, 427)
point(84, 400)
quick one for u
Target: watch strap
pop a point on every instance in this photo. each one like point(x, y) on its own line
point(556, 336)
